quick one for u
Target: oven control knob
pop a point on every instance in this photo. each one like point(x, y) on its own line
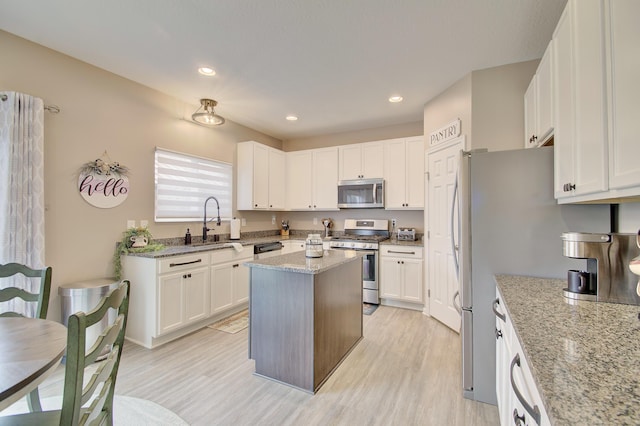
point(353, 245)
point(368, 245)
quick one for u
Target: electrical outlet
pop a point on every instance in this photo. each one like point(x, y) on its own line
point(244, 222)
point(144, 223)
point(315, 220)
point(393, 223)
point(131, 224)
point(273, 219)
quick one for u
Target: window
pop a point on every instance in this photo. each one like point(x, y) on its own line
point(183, 183)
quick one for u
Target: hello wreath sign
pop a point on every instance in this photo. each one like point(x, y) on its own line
point(103, 183)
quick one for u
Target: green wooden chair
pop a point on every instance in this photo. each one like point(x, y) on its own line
point(41, 298)
point(87, 401)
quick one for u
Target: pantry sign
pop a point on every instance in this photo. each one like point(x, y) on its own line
point(103, 183)
point(443, 134)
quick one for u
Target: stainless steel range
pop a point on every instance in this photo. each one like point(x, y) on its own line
point(364, 235)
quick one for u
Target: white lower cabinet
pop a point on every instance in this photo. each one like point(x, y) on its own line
point(401, 273)
point(182, 298)
point(176, 295)
point(229, 279)
point(292, 246)
point(519, 401)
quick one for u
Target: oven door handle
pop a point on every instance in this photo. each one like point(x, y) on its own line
point(359, 250)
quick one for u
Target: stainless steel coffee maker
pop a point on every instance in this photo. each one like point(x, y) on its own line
point(607, 277)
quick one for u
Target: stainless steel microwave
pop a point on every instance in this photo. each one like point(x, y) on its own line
point(361, 194)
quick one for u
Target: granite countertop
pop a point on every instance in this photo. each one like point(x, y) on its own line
point(299, 263)
point(584, 356)
point(178, 250)
point(395, 242)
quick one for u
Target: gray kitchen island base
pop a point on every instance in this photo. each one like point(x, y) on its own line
point(304, 320)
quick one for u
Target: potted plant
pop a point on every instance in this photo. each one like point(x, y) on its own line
point(134, 240)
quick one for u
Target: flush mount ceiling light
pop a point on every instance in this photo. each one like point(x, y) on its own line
point(208, 117)
point(395, 99)
point(291, 117)
point(206, 71)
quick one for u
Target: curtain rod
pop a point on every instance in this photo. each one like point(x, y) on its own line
point(53, 109)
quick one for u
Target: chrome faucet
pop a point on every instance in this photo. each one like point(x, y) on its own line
point(204, 222)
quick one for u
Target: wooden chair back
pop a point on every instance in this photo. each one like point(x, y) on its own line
point(100, 387)
point(41, 297)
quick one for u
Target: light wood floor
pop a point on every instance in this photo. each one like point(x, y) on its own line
point(405, 371)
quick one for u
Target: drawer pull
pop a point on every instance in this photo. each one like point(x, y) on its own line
point(401, 252)
point(533, 411)
point(171, 265)
point(495, 310)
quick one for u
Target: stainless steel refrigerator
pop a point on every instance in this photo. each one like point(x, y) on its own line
point(508, 222)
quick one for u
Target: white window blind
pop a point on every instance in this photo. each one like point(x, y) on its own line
point(183, 183)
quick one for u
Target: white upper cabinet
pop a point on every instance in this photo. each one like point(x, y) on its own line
point(260, 177)
point(623, 66)
point(404, 173)
point(312, 179)
point(580, 137)
point(361, 161)
point(596, 51)
point(538, 103)
point(530, 138)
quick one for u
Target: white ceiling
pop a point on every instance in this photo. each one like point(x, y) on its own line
point(333, 63)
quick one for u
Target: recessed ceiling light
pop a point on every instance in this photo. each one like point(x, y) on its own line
point(291, 117)
point(207, 71)
point(395, 99)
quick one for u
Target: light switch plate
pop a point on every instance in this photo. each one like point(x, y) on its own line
point(315, 220)
point(244, 222)
point(131, 224)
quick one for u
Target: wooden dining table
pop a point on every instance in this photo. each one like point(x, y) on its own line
point(30, 350)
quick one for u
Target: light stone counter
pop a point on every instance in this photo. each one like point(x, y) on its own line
point(584, 357)
point(394, 242)
point(298, 262)
point(179, 250)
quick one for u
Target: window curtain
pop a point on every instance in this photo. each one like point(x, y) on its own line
point(21, 189)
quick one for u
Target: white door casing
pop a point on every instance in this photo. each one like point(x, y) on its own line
point(442, 167)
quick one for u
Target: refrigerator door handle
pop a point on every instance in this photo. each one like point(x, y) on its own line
point(456, 295)
point(454, 246)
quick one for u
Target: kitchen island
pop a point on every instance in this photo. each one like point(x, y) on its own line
point(305, 315)
point(584, 356)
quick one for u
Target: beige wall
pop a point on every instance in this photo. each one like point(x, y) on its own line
point(358, 136)
point(101, 111)
point(454, 102)
point(497, 105)
point(489, 104)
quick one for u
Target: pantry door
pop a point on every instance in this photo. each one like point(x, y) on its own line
point(442, 167)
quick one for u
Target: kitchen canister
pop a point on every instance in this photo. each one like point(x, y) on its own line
point(313, 246)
